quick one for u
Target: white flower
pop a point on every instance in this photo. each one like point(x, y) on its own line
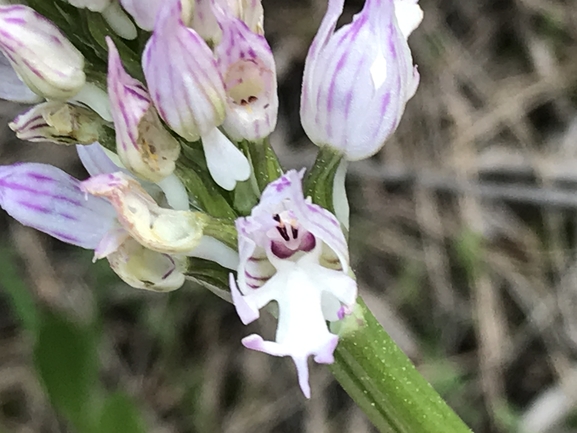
point(293, 252)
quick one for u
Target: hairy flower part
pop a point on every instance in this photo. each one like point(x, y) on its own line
point(247, 66)
point(284, 246)
point(164, 230)
point(40, 53)
point(187, 89)
point(93, 5)
point(143, 144)
point(143, 268)
point(358, 79)
point(58, 122)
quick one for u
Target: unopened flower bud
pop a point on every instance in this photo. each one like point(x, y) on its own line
point(358, 79)
point(40, 53)
point(58, 122)
point(188, 91)
point(247, 65)
point(143, 144)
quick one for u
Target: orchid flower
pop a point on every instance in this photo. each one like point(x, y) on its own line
point(295, 253)
point(358, 79)
point(143, 144)
point(247, 66)
point(188, 92)
point(40, 53)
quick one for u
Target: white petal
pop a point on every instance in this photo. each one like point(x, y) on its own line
point(212, 249)
point(226, 163)
point(409, 15)
point(175, 192)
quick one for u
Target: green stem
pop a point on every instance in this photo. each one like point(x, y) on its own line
point(318, 184)
point(385, 384)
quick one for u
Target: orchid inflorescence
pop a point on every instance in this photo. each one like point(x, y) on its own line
point(170, 104)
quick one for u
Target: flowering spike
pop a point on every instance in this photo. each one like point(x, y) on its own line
point(284, 247)
point(144, 146)
point(247, 66)
point(57, 122)
point(188, 92)
point(49, 200)
point(358, 79)
point(41, 55)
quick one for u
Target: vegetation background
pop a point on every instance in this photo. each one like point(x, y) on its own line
point(463, 237)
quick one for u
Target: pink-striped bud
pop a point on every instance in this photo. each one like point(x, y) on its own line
point(40, 53)
point(358, 79)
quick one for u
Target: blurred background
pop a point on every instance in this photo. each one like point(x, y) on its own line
point(463, 237)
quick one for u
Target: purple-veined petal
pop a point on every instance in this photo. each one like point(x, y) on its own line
point(182, 76)
point(144, 146)
point(358, 79)
point(45, 198)
point(40, 53)
point(318, 221)
point(12, 88)
point(247, 66)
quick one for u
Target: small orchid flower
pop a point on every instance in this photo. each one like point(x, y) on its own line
point(40, 53)
point(358, 79)
point(246, 63)
point(188, 92)
point(144, 146)
point(58, 122)
point(293, 252)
